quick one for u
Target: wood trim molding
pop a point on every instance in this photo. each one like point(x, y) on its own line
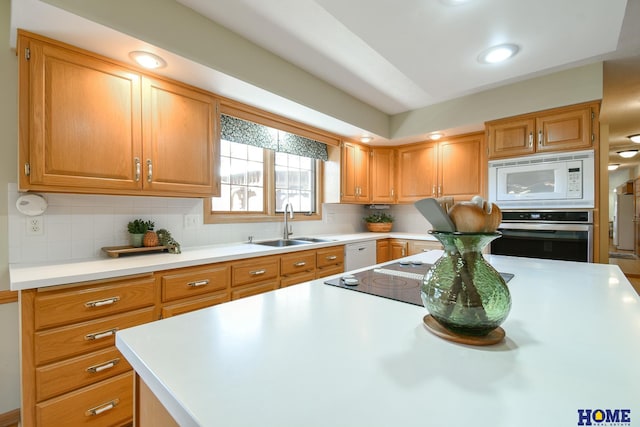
point(10, 419)
point(7, 297)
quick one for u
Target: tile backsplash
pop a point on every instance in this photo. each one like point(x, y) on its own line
point(77, 226)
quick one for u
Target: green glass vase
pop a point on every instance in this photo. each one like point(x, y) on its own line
point(462, 291)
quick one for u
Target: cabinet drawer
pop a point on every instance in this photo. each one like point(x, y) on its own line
point(329, 271)
point(62, 377)
point(255, 270)
point(190, 282)
point(297, 262)
point(97, 299)
point(247, 291)
point(73, 340)
point(195, 304)
point(330, 256)
point(107, 403)
point(297, 278)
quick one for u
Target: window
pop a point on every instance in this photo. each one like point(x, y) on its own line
point(261, 170)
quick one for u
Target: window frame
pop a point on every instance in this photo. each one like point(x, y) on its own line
point(269, 214)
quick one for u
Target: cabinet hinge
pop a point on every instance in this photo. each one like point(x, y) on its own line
point(593, 137)
point(593, 115)
point(27, 169)
point(27, 53)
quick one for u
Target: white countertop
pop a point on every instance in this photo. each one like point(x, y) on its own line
point(28, 276)
point(318, 355)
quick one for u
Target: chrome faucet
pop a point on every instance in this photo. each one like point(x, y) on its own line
point(287, 231)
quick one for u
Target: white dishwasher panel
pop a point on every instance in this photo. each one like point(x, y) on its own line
point(359, 255)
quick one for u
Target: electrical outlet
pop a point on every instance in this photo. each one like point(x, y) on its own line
point(35, 226)
point(191, 221)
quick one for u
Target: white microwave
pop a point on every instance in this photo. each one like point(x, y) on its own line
point(560, 180)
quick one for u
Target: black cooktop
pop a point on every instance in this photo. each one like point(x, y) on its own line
point(399, 281)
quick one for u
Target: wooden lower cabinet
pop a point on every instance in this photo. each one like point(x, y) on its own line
point(398, 248)
point(383, 251)
point(72, 374)
point(390, 249)
point(297, 267)
point(149, 412)
point(108, 403)
point(329, 261)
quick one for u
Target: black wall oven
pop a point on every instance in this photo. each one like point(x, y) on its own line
point(561, 235)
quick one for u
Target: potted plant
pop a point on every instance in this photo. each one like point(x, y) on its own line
point(137, 229)
point(379, 222)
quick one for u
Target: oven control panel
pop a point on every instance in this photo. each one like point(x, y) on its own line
point(548, 216)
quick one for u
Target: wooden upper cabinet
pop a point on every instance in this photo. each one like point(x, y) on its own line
point(79, 120)
point(462, 167)
point(512, 138)
point(559, 129)
point(179, 138)
point(382, 175)
point(354, 168)
point(417, 172)
point(91, 125)
point(565, 130)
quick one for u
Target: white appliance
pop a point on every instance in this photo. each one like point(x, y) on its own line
point(623, 225)
point(560, 180)
point(359, 255)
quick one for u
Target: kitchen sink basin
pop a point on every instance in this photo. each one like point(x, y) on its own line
point(279, 243)
point(314, 239)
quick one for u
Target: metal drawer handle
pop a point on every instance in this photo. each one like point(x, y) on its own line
point(100, 335)
point(137, 169)
point(257, 272)
point(101, 302)
point(99, 368)
point(198, 283)
point(97, 410)
point(149, 170)
point(332, 257)
point(540, 138)
point(300, 264)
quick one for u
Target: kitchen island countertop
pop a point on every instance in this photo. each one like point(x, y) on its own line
point(28, 276)
point(318, 355)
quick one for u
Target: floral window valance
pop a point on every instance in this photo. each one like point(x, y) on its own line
point(250, 133)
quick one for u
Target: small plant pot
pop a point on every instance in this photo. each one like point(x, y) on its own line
point(379, 227)
point(135, 240)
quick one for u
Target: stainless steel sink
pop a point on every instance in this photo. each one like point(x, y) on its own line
point(314, 239)
point(279, 243)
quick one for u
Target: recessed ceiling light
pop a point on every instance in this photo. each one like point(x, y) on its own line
point(366, 138)
point(435, 136)
point(613, 166)
point(499, 53)
point(147, 59)
point(627, 154)
point(635, 138)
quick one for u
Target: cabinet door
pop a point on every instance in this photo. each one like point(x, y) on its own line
point(382, 175)
point(417, 172)
point(565, 130)
point(80, 121)
point(419, 246)
point(354, 168)
point(399, 248)
point(462, 167)
point(180, 142)
point(514, 137)
point(383, 251)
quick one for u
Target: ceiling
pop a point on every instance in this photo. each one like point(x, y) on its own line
point(402, 56)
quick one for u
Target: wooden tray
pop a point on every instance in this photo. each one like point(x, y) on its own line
point(116, 251)
point(494, 337)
